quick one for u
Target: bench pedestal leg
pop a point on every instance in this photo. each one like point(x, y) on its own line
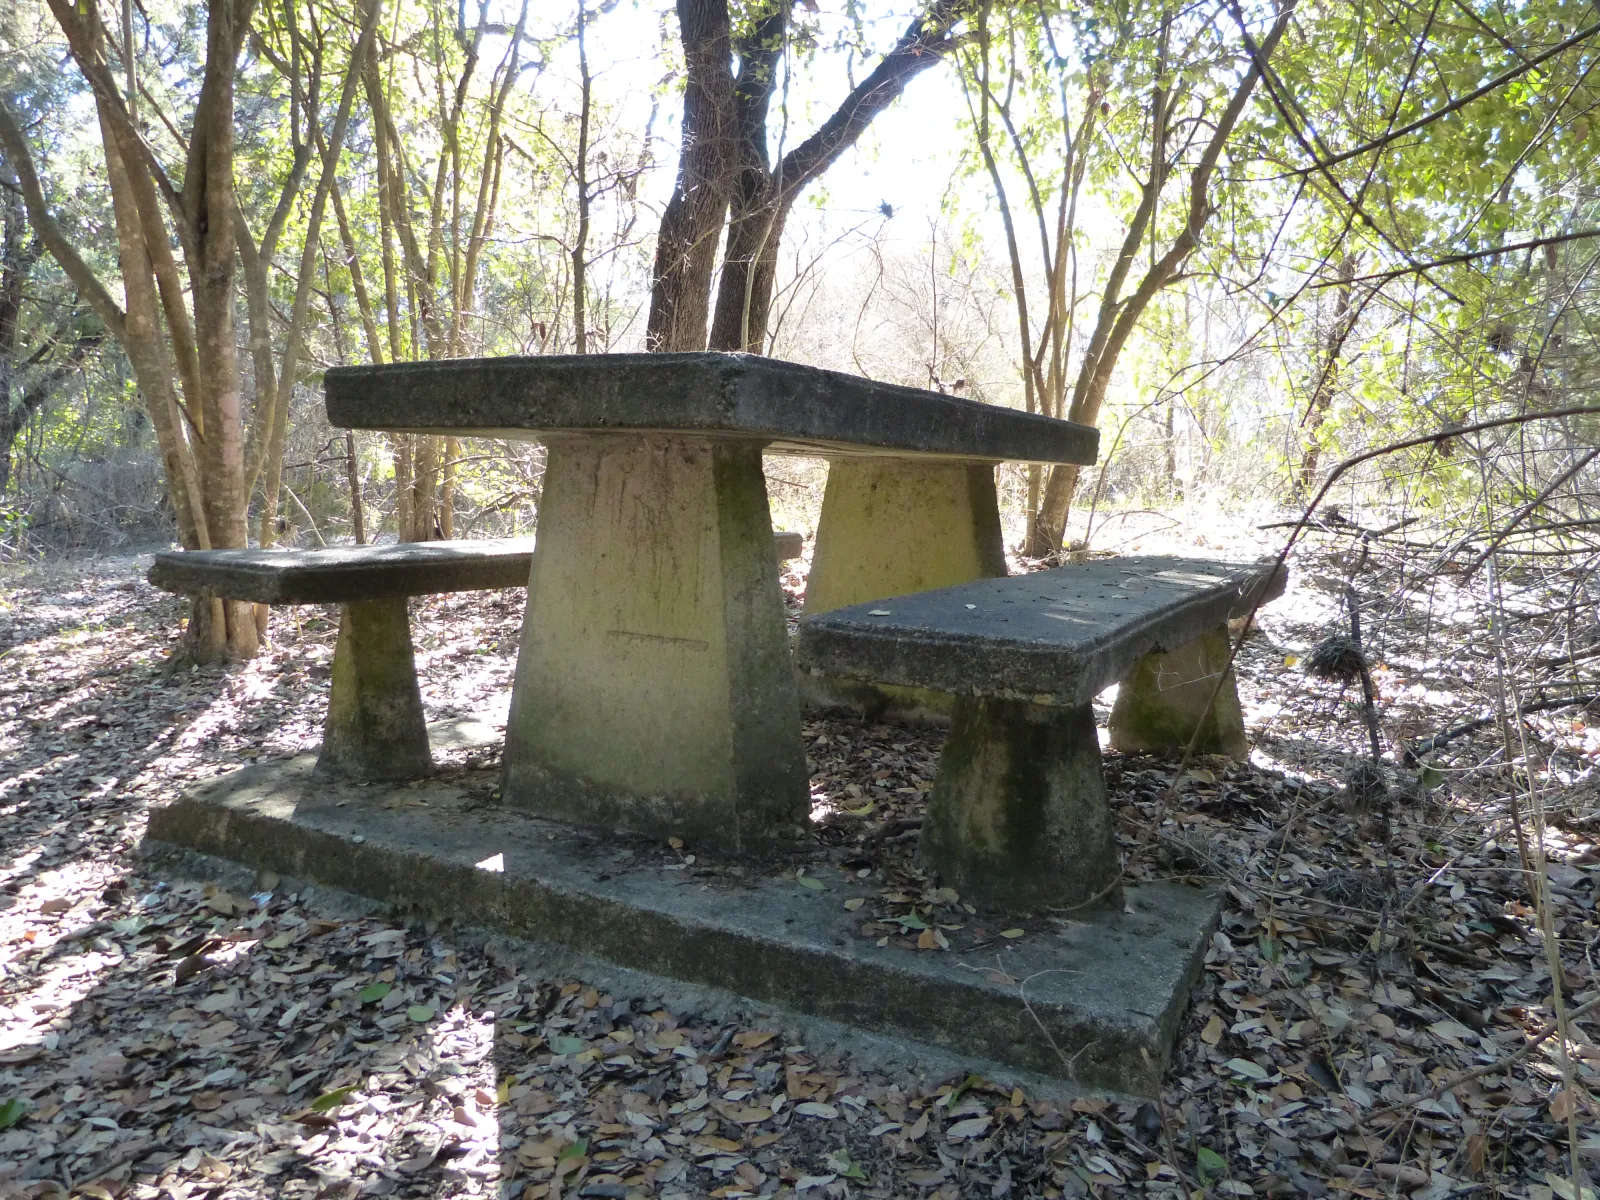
point(375, 728)
point(654, 689)
point(893, 526)
point(1018, 817)
point(1163, 701)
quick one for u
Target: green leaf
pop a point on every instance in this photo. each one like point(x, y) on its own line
point(971, 1081)
point(816, 885)
point(421, 1013)
point(11, 1111)
point(840, 1163)
point(1243, 1066)
point(1430, 776)
point(573, 1150)
point(566, 1045)
point(333, 1099)
point(1210, 1162)
point(374, 992)
point(912, 921)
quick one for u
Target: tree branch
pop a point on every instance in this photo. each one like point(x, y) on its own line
point(20, 161)
point(927, 41)
point(1455, 105)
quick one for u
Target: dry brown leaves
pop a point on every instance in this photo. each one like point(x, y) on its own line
point(163, 1039)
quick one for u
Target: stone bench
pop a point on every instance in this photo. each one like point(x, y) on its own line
point(1018, 816)
point(374, 727)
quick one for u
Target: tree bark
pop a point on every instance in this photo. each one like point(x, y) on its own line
point(686, 247)
point(761, 196)
point(1327, 380)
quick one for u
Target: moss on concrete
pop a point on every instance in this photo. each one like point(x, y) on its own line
point(890, 527)
point(375, 728)
point(1109, 987)
point(1018, 817)
point(1166, 699)
point(653, 689)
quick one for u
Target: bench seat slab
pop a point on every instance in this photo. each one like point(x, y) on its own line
point(653, 691)
point(375, 727)
point(1166, 699)
point(340, 574)
point(893, 526)
point(1018, 817)
point(1056, 637)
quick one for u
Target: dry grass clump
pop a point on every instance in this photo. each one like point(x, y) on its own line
point(1337, 658)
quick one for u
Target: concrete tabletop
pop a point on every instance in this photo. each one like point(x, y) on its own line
point(790, 408)
point(1058, 636)
point(342, 574)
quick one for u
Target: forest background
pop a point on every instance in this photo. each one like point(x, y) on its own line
point(1247, 241)
point(1308, 265)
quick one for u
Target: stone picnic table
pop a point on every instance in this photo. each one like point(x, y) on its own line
point(654, 689)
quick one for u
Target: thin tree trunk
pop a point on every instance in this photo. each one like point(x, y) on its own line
point(1119, 316)
point(148, 355)
point(1327, 381)
point(358, 526)
point(580, 243)
point(283, 392)
point(686, 247)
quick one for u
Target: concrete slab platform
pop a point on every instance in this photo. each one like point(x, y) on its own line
point(1109, 990)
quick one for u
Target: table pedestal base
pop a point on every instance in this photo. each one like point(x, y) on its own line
point(375, 728)
point(893, 526)
point(1018, 818)
point(654, 692)
point(1164, 701)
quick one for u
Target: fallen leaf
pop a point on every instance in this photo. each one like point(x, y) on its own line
point(333, 1099)
point(970, 1128)
point(1243, 1066)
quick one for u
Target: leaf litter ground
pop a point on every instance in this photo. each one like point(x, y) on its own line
point(1368, 1022)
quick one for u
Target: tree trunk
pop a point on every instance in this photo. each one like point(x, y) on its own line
point(749, 271)
point(761, 195)
point(686, 247)
point(1327, 381)
point(212, 254)
point(149, 357)
point(276, 426)
point(358, 522)
point(580, 243)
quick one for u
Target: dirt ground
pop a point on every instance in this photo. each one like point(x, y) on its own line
point(1374, 1017)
